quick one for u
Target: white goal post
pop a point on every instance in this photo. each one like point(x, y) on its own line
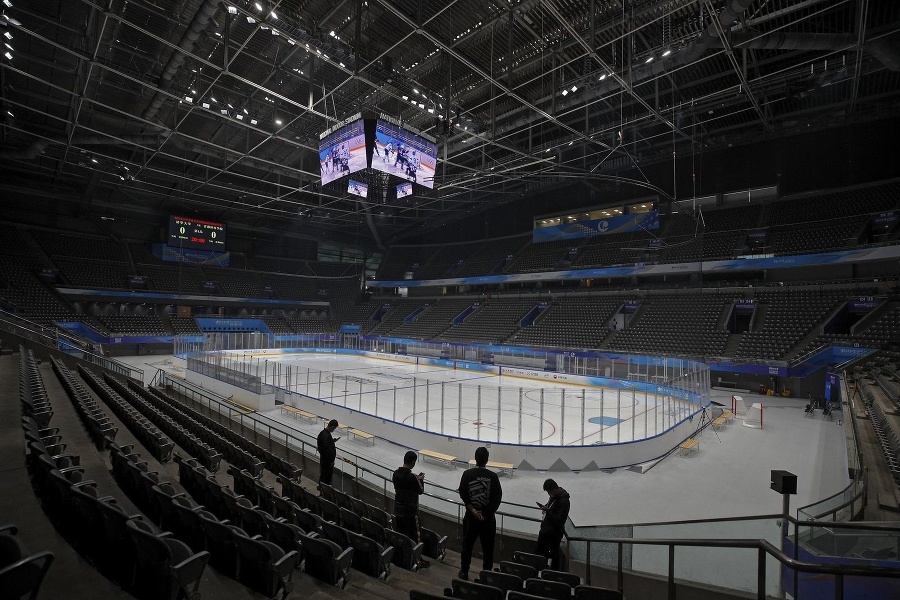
point(754, 416)
point(738, 408)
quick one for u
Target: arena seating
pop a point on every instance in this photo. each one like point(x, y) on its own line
point(433, 320)
point(573, 321)
point(494, 321)
point(676, 324)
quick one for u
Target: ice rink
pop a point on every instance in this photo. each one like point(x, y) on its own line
point(727, 477)
point(476, 405)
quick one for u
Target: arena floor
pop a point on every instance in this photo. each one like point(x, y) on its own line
point(728, 476)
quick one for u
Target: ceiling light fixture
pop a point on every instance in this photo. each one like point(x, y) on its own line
point(8, 55)
point(7, 35)
point(258, 6)
point(7, 3)
point(278, 121)
point(602, 77)
point(649, 60)
point(574, 88)
point(666, 53)
point(565, 92)
point(232, 10)
point(253, 121)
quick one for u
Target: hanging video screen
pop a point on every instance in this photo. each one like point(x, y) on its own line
point(403, 154)
point(404, 190)
point(358, 188)
point(343, 151)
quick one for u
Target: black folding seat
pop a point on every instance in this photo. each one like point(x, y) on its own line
point(310, 501)
point(264, 566)
point(407, 553)
point(308, 521)
point(433, 544)
point(571, 579)
point(335, 533)
point(288, 537)
point(502, 581)
point(285, 508)
point(329, 511)
point(166, 568)
point(220, 544)
point(252, 520)
point(534, 560)
point(469, 590)
point(359, 507)
point(326, 561)
point(264, 495)
point(380, 516)
point(524, 572)
point(351, 521)
point(292, 489)
point(21, 572)
point(555, 590)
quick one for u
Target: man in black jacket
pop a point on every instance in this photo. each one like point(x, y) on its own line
point(556, 511)
point(327, 452)
point(407, 489)
point(479, 489)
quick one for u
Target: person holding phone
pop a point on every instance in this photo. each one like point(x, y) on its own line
point(407, 489)
point(325, 444)
point(555, 511)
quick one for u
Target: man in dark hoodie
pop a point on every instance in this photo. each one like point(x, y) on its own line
point(556, 511)
point(480, 491)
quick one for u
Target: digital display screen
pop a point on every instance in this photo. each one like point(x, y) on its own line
point(404, 190)
point(343, 151)
point(197, 234)
point(403, 154)
point(357, 188)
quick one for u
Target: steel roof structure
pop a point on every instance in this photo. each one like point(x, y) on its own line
point(216, 106)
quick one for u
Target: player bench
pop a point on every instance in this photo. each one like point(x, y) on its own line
point(361, 436)
point(688, 446)
point(298, 414)
point(719, 422)
point(506, 468)
point(727, 415)
point(438, 457)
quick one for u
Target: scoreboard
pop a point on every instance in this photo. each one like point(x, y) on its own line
point(196, 234)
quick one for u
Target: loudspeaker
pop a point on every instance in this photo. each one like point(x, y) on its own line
point(784, 482)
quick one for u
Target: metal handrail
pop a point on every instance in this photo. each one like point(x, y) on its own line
point(764, 548)
point(59, 340)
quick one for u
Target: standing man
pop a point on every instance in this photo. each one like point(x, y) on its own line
point(407, 489)
point(556, 511)
point(327, 452)
point(479, 489)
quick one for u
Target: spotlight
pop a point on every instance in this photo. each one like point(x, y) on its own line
point(574, 88)
point(7, 35)
point(278, 121)
point(8, 55)
point(258, 6)
point(232, 10)
point(565, 92)
point(7, 3)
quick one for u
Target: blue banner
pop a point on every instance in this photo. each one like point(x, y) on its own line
point(206, 257)
point(592, 227)
point(236, 325)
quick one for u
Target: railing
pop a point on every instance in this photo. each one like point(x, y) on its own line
point(764, 550)
point(59, 340)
